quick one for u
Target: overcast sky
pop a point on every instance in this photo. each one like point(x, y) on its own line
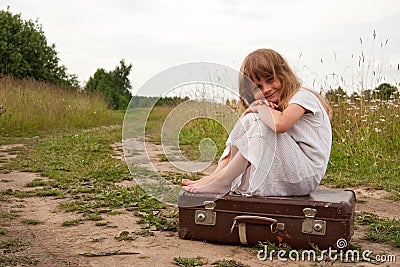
point(317, 37)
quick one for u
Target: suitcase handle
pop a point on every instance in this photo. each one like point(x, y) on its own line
point(254, 219)
point(243, 219)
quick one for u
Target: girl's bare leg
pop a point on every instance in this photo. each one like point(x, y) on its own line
point(221, 166)
point(222, 184)
point(208, 179)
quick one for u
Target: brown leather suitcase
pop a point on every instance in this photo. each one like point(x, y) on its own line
point(324, 219)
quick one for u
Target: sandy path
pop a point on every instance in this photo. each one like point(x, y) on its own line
point(54, 245)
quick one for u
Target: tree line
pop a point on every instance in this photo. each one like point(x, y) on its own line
point(26, 53)
point(384, 91)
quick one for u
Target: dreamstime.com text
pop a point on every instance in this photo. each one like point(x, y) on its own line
point(329, 254)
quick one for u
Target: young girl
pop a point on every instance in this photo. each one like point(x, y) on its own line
point(281, 144)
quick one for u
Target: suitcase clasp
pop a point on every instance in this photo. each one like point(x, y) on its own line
point(207, 216)
point(209, 205)
point(312, 226)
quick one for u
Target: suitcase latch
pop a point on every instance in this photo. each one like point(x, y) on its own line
point(207, 216)
point(312, 226)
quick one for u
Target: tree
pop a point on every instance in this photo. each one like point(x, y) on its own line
point(385, 91)
point(335, 95)
point(24, 52)
point(114, 85)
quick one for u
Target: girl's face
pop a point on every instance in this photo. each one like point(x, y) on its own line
point(267, 88)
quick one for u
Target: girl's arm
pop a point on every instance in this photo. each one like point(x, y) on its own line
point(278, 121)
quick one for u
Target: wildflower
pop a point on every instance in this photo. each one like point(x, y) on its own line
point(343, 140)
point(382, 120)
point(377, 130)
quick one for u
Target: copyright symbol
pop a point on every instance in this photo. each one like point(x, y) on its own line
point(341, 243)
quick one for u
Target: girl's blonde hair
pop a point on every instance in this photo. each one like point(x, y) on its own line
point(268, 63)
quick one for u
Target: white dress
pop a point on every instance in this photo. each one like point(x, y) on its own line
point(283, 164)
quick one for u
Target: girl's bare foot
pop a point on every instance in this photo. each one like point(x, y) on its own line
point(213, 187)
point(186, 188)
point(186, 182)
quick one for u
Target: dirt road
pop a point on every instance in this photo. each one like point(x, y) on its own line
point(51, 244)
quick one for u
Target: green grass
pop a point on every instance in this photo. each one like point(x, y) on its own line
point(199, 129)
point(7, 216)
point(366, 139)
point(14, 260)
point(381, 230)
point(93, 217)
point(31, 221)
point(125, 236)
point(229, 263)
point(72, 223)
point(32, 108)
point(200, 261)
point(101, 223)
point(5, 194)
point(135, 122)
point(74, 159)
point(193, 131)
point(189, 262)
point(154, 123)
point(12, 245)
point(79, 168)
point(36, 182)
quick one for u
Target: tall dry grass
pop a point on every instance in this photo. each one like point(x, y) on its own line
point(366, 143)
point(365, 149)
point(29, 107)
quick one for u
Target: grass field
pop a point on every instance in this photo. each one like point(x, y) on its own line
point(76, 131)
point(366, 142)
point(365, 149)
point(29, 108)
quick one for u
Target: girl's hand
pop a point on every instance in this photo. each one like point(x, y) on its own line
point(253, 108)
